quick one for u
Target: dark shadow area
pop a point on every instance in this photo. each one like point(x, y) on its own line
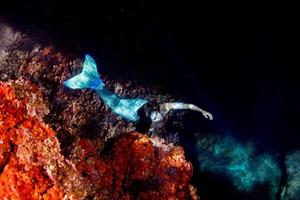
point(214, 186)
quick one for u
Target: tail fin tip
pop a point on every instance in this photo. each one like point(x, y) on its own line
point(88, 78)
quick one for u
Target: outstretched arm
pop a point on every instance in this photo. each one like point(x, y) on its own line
point(166, 107)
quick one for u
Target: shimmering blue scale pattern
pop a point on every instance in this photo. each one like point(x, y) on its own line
point(126, 108)
point(89, 78)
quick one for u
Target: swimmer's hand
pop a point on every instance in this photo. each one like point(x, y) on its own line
point(207, 115)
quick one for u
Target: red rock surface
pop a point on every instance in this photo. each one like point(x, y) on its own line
point(33, 167)
point(135, 168)
point(21, 135)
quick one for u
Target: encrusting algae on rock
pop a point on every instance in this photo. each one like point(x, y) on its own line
point(33, 167)
point(135, 168)
point(21, 168)
point(31, 163)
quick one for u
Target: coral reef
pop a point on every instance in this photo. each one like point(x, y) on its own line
point(32, 165)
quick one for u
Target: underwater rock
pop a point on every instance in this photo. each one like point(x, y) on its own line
point(15, 47)
point(7, 38)
point(53, 141)
point(21, 162)
point(72, 113)
point(240, 164)
point(135, 168)
point(292, 189)
point(32, 165)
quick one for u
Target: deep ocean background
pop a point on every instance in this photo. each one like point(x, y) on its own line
point(234, 66)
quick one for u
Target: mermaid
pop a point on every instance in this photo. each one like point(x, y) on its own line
point(136, 110)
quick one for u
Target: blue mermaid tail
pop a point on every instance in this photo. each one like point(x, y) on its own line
point(89, 78)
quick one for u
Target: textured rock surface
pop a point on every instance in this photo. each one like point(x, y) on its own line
point(53, 141)
point(143, 171)
point(292, 188)
point(72, 113)
point(28, 147)
point(33, 167)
